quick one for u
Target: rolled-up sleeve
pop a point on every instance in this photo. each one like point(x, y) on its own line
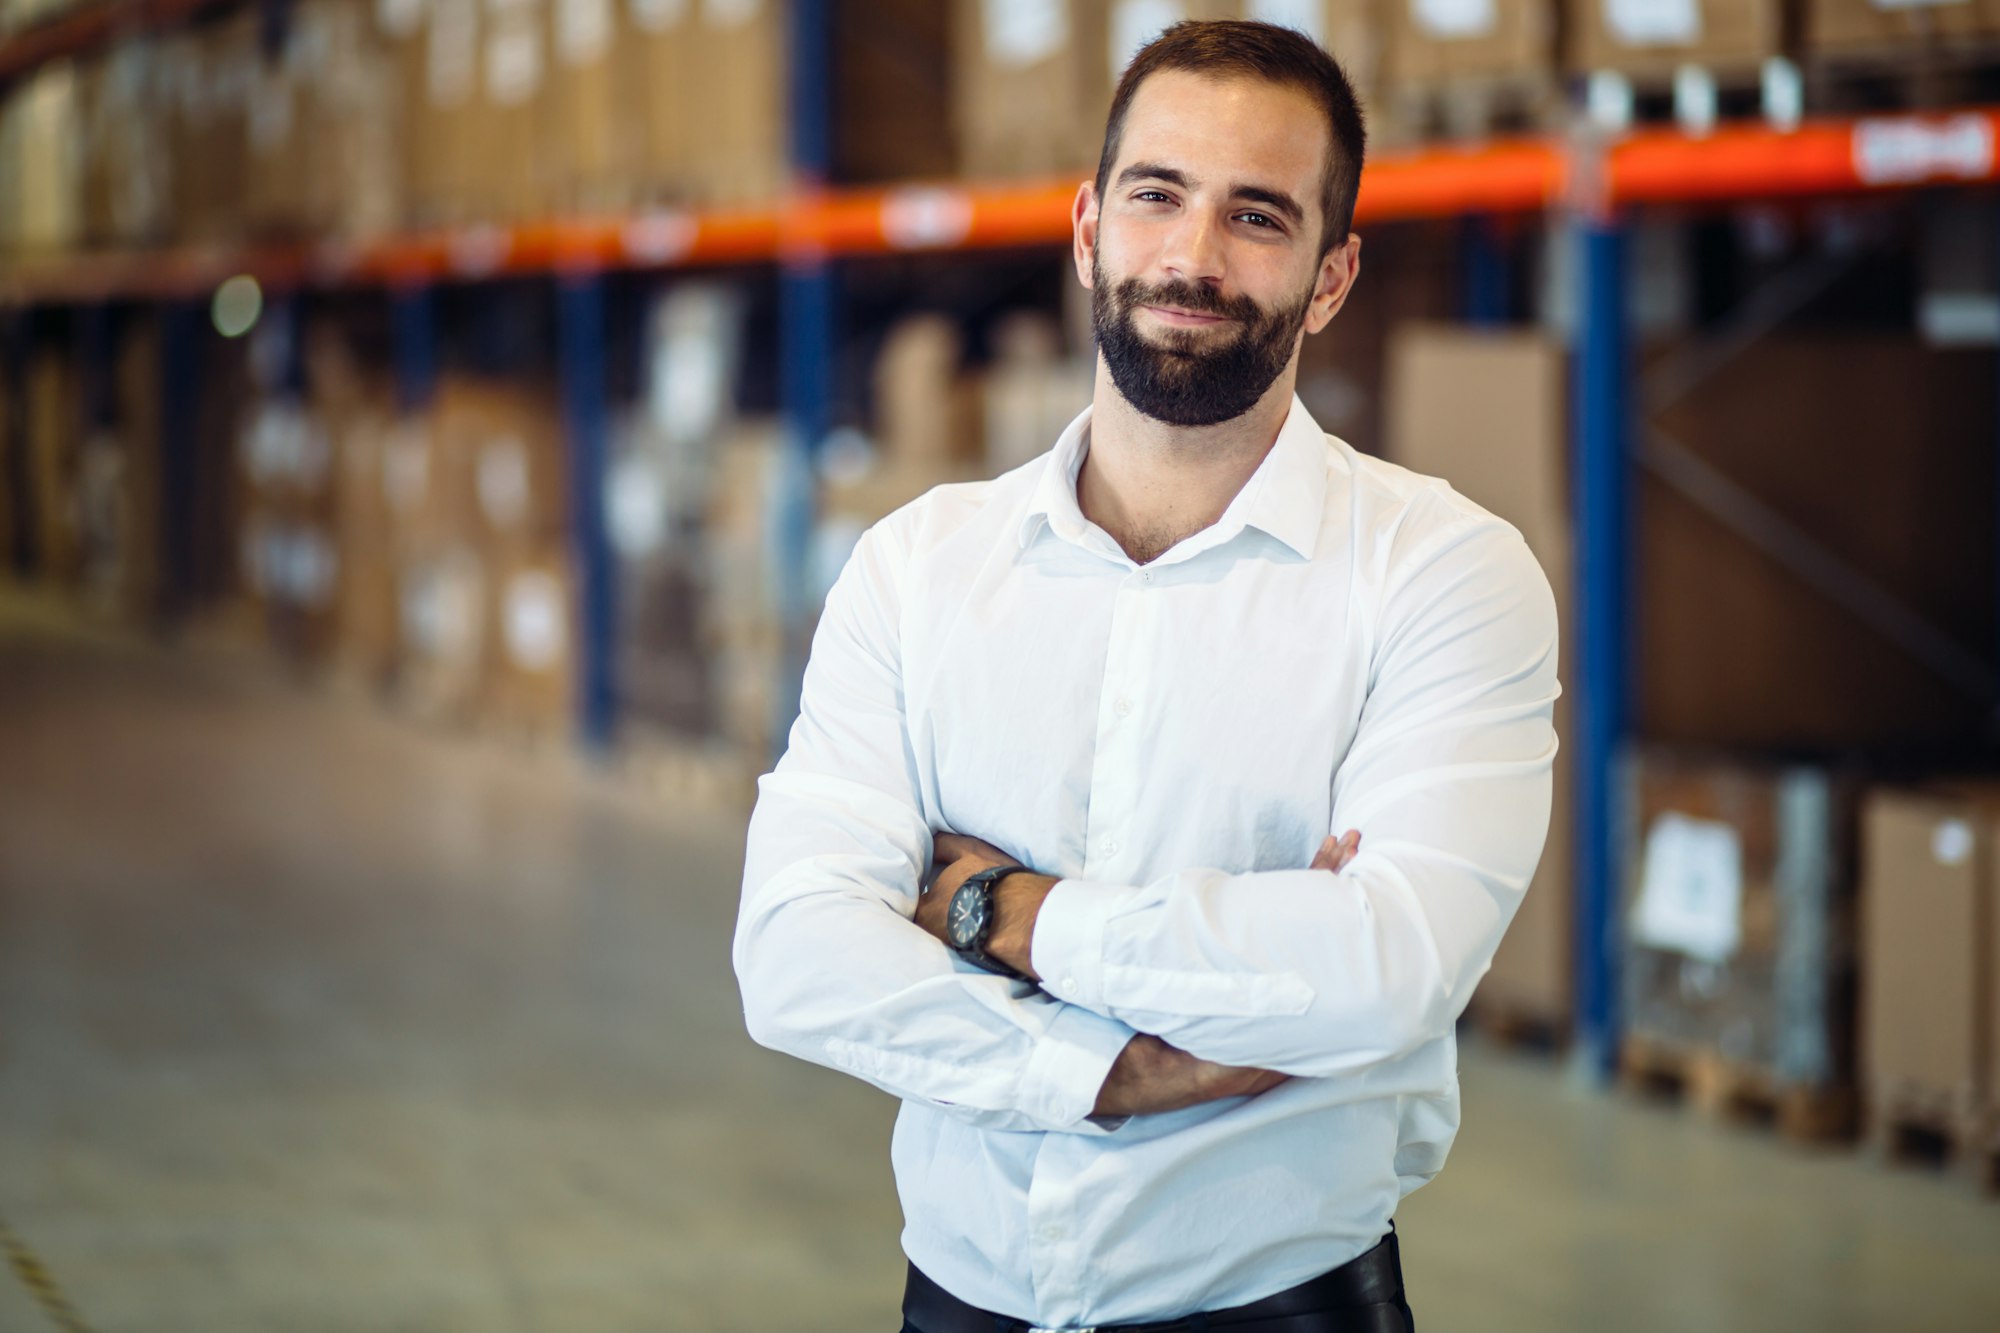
point(831, 966)
point(1448, 780)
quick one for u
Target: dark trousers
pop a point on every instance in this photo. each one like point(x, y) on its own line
point(1365, 1296)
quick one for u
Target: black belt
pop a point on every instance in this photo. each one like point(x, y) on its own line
point(1363, 1296)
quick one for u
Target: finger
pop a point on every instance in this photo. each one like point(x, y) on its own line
point(1350, 846)
point(1325, 858)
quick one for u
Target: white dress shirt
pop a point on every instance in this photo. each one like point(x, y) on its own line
point(1350, 646)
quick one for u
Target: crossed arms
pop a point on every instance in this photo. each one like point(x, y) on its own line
point(1314, 972)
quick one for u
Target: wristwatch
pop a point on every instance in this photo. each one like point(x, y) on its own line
point(968, 921)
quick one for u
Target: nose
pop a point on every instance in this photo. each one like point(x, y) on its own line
point(1193, 249)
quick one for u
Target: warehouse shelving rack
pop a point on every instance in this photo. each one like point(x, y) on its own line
point(1591, 180)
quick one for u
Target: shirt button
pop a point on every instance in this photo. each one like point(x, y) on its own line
point(1123, 707)
point(1069, 983)
point(1110, 847)
point(1052, 1232)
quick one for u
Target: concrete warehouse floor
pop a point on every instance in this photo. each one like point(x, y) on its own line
point(310, 1019)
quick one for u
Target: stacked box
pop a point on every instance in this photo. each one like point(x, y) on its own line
point(1432, 43)
point(207, 72)
point(738, 101)
point(127, 182)
point(1930, 893)
point(1652, 38)
point(52, 429)
point(894, 92)
point(1486, 411)
point(658, 64)
point(594, 144)
point(1745, 652)
point(446, 164)
point(288, 560)
point(1355, 32)
point(1031, 392)
point(359, 170)
point(1889, 27)
point(502, 447)
point(41, 160)
point(1739, 917)
point(741, 619)
point(1031, 75)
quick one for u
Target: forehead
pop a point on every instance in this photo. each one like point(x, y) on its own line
point(1242, 130)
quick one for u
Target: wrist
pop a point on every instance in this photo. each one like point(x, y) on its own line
point(1017, 904)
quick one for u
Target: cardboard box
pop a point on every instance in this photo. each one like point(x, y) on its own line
point(895, 77)
point(1930, 888)
point(1739, 921)
point(593, 139)
point(1433, 43)
point(926, 408)
point(127, 170)
point(739, 98)
point(448, 168)
point(509, 124)
point(208, 70)
point(1030, 86)
point(531, 673)
point(1652, 38)
point(501, 448)
point(53, 430)
point(1487, 411)
point(1738, 649)
point(1878, 27)
point(659, 60)
point(41, 161)
point(1354, 32)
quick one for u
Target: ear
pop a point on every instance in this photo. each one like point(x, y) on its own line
point(1337, 274)
point(1083, 231)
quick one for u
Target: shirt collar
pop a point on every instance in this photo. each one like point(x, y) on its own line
point(1285, 496)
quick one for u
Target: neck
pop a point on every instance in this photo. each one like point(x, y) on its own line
point(1151, 485)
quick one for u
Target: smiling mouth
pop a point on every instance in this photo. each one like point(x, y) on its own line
point(1187, 318)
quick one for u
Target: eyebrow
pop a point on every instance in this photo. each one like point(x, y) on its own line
point(1275, 200)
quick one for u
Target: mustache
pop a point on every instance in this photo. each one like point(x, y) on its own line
point(1189, 296)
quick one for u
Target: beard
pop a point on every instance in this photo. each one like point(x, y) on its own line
point(1191, 377)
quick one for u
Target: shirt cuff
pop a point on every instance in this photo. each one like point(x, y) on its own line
point(1069, 1064)
point(1067, 948)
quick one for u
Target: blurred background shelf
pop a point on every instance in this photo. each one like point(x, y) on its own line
point(531, 365)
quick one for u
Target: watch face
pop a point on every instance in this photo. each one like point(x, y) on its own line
point(965, 919)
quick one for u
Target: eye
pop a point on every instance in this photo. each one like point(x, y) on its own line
point(1259, 219)
point(1152, 196)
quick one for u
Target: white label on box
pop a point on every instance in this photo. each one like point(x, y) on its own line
point(1653, 22)
point(1691, 898)
point(503, 482)
point(1904, 150)
point(1306, 16)
point(1021, 32)
point(635, 506)
point(658, 15)
point(399, 18)
point(583, 30)
point(1951, 842)
point(513, 64)
point(535, 620)
point(1135, 23)
point(1454, 18)
point(730, 13)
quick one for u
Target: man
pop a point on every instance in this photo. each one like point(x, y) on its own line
point(1169, 1053)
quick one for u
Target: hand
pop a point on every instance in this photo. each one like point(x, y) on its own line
point(960, 857)
point(1150, 1077)
point(1335, 853)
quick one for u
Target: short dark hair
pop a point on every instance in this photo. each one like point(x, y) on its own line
point(1236, 48)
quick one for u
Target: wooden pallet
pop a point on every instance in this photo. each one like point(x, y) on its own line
point(1724, 1090)
point(1916, 1128)
point(1517, 1026)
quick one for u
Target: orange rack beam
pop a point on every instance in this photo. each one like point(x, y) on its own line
point(1647, 167)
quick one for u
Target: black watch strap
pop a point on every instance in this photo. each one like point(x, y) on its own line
point(981, 883)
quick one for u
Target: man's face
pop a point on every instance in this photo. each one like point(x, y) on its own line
point(1205, 254)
